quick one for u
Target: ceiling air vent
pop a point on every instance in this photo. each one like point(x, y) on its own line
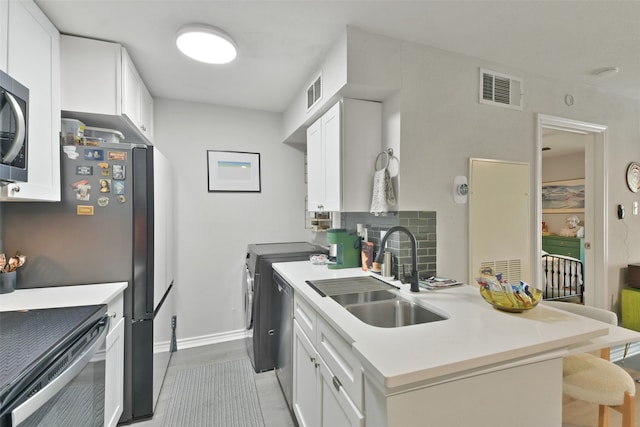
point(500, 90)
point(314, 92)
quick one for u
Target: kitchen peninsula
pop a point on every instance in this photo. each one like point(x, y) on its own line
point(480, 366)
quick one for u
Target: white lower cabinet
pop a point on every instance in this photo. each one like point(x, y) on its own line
point(305, 379)
point(114, 363)
point(114, 376)
point(319, 397)
point(336, 407)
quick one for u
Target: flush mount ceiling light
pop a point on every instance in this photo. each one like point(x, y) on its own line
point(605, 72)
point(205, 43)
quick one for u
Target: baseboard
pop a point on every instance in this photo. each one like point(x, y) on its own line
point(211, 339)
point(618, 351)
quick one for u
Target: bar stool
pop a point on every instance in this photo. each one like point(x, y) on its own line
point(595, 379)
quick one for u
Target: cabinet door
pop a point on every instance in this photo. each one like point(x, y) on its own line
point(315, 168)
point(33, 59)
point(146, 112)
point(130, 89)
point(331, 141)
point(305, 379)
point(114, 375)
point(337, 355)
point(336, 408)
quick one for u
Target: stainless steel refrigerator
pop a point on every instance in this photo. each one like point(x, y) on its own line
point(114, 223)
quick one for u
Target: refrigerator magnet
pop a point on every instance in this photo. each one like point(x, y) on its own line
point(93, 154)
point(118, 155)
point(83, 192)
point(105, 186)
point(103, 165)
point(122, 199)
point(84, 170)
point(118, 187)
point(103, 201)
point(117, 172)
point(74, 185)
point(84, 210)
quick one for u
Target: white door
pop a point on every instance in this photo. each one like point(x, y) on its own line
point(499, 219)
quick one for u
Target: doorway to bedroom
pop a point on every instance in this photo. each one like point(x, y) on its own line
point(570, 154)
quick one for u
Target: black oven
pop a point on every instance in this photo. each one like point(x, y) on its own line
point(52, 370)
point(14, 129)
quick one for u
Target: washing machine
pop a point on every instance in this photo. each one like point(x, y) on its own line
point(261, 296)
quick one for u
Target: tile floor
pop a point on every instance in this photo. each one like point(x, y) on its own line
point(274, 408)
point(276, 412)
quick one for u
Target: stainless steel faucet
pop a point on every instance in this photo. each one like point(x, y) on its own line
point(414, 279)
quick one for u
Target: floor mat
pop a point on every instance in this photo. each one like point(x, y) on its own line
point(217, 395)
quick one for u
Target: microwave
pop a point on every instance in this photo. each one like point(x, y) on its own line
point(14, 129)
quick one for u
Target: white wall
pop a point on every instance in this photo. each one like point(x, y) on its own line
point(214, 229)
point(443, 125)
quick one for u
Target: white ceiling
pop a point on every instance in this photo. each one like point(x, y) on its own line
point(281, 43)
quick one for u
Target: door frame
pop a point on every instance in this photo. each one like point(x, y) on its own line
point(596, 177)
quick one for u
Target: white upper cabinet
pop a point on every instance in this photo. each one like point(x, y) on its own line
point(30, 53)
point(137, 103)
point(101, 87)
point(342, 146)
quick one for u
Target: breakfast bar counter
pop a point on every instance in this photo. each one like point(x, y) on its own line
point(475, 344)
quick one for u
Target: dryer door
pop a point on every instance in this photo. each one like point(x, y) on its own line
point(247, 291)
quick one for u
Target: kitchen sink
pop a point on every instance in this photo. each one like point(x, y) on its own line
point(363, 297)
point(393, 313)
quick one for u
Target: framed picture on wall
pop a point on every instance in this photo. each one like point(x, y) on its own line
point(563, 196)
point(233, 171)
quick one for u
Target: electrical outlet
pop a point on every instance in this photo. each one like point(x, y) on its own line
point(635, 208)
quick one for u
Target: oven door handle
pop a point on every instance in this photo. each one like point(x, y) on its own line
point(28, 407)
point(18, 141)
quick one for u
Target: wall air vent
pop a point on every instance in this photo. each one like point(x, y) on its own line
point(314, 92)
point(500, 90)
point(510, 269)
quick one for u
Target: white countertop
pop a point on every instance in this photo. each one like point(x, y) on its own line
point(60, 296)
point(475, 337)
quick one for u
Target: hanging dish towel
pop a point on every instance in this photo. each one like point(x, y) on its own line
point(383, 195)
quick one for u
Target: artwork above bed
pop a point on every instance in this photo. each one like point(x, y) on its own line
point(563, 196)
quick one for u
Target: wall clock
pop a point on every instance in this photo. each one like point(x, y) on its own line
point(633, 176)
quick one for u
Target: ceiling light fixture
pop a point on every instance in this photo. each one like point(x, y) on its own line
point(207, 44)
point(605, 72)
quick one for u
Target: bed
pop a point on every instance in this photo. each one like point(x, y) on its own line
point(563, 277)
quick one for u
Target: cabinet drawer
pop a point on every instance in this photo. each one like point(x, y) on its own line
point(337, 354)
point(306, 317)
point(559, 245)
